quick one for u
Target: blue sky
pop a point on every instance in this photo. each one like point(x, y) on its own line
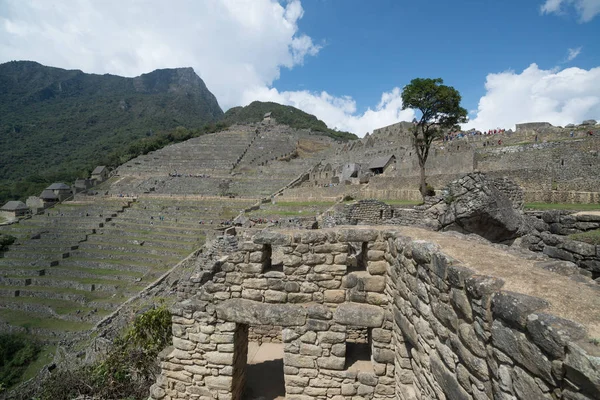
point(345, 61)
point(370, 46)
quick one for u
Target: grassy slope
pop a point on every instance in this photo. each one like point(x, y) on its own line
point(286, 115)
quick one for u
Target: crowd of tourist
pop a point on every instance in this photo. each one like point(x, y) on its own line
point(460, 134)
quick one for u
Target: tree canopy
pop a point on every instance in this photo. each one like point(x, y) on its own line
point(440, 112)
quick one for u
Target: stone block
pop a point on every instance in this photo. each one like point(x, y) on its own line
point(332, 362)
point(215, 357)
point(583, 369)
point(461, 304)
point(525, 386)
point(457, 275)
point(219, 382)
point(377, 267)
point(447, 381)
point(255, 313)
point(356, 314)
point(555, 252)
point(581, 248)
point(372, 283)
point(331, 337)
point(334, 296)
point(383, 355)
point(514, 308)
point(518, 347)
point(480, 285)
point(298, 361)
point(318, 311)
point(357, 235)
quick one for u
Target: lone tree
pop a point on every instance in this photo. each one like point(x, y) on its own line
point(440, 110)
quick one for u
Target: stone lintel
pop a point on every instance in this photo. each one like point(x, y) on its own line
point(356, 314)
point(250, 312)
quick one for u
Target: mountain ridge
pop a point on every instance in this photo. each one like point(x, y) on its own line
point(56, 123)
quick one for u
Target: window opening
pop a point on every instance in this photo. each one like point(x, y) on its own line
point(271, 260)
point(357, 256)
point(358, 350)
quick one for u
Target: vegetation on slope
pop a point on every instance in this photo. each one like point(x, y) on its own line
point(16, 353)
point(287, 115)
point(57, 125)
point(591, 237)
point(128, 369)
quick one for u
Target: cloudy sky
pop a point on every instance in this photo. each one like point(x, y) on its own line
point(345, 61)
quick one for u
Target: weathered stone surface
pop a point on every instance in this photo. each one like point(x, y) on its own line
point(255, 313)
point(553, 333)
point(581, 248)
point(583, 369)
point(525, 386)
point(477, 206)
point(480, 285)
point(520, 349)
point(447, 381)
point(555, 252)
point(356, 314)
point(514, 308)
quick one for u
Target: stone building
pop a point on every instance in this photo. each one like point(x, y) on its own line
point(381, 164)
point(369, 313)
point(49, 197)
point(61, 190)
point(100, 173)
point(14, 209)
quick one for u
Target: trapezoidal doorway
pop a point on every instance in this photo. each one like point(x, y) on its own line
point(264, 378)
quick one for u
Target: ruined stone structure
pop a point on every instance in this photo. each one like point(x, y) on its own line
point(549, 164)
point(435, 329)
point(550, 236)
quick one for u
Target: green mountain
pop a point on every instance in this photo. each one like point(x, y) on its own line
point(57, 124)
point(287, 115)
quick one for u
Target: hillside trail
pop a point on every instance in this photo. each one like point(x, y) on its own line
point(568, 298)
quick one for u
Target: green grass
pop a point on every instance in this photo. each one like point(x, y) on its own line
point(403, 202)
point(304, 203)
point(46, 356)
point(2, 219)
point(61, 307)
point(591, 237)
point(562, 206)
point(101, 271)
point(32, 320)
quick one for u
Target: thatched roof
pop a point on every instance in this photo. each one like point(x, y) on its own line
point(48, 194)
point(58, 186)
point(381, 162)
point(14, 205)
point(98, 170)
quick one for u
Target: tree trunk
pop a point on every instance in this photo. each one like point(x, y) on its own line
point(423, 184)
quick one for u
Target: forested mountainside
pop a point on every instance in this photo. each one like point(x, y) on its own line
point(57, 124)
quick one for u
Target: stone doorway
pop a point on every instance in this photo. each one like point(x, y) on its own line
point(264, 372)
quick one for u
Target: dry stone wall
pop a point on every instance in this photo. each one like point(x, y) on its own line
point(435, 329)
point(551, 236)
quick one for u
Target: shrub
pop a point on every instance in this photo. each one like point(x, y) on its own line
point(429, 190)
point(6, 240)
point(16, 353)
point(126, 372)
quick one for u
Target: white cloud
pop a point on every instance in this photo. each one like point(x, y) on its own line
point(573, 53)
point(338, 112)
point(586, 9)
point(560, 97)
point(232, 44)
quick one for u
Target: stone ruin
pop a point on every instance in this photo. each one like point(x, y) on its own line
point(475, 203)
point(368, 313)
